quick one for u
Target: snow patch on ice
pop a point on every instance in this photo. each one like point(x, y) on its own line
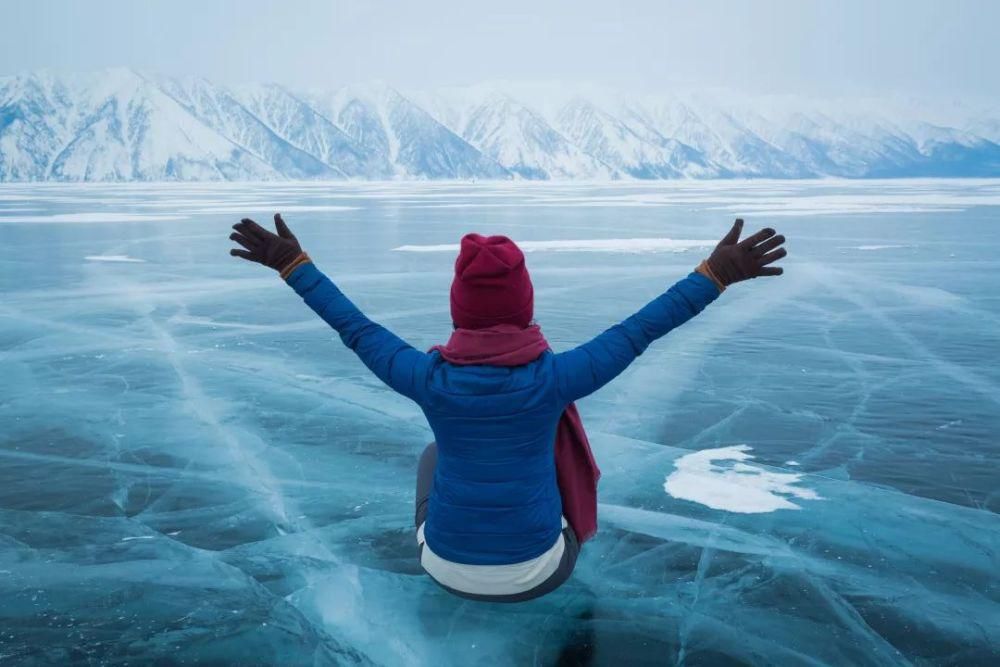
point(90, 217)
point(703, 478)
point(277, 207)
point(802, 209)
point(112, 258)
point(585, 245)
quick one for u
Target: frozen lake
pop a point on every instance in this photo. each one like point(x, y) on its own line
point(193, 468)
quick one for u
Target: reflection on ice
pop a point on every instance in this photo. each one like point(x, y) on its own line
point(703, 478)
point(112, 258)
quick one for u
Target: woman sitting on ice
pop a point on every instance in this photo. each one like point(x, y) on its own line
point(508, 492)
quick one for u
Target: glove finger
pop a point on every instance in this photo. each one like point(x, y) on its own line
point(771, 271)
point(733, 235)
point(772, 256)
point(283, 230)
point(245, 231)
point(753, 240)
point(768, 245)
point(243, 241)
point(243, 227)
point(236, 252)
point(252, 229)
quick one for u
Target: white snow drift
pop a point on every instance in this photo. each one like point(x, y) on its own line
point(720, 479)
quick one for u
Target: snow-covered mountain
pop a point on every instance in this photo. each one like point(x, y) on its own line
point(122, 125)
point(515, 135)
point(637, 149)
point(385, 122)
point(110, 127)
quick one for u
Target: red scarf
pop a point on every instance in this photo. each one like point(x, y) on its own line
point(576, 471)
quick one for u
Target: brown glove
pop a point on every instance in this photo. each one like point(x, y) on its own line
point(734, 260)
point(279, 251)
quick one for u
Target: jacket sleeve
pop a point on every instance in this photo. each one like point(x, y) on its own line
point(585, 369)
point(392, 360)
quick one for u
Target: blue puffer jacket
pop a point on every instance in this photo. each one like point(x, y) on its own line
point(495, 499)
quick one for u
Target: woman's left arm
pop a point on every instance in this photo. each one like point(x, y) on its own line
point(588, 367)
point(585, 369)
point(391, 359)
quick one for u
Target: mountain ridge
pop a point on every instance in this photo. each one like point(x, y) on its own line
point(124, 125)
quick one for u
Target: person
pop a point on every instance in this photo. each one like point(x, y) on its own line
point(507, 492)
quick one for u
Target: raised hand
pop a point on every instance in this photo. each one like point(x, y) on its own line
point(734, 260)
point(277, 251)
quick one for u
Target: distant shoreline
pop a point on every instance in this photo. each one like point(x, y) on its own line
point(641, 183)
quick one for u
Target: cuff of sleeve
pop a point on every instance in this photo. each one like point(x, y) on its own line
point(706, 271)
point(304, 278)
point(301, 259)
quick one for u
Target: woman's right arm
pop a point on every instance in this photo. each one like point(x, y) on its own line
point(392, 360)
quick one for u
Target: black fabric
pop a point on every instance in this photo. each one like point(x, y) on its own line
point(276, 251)
point(734, 260)
point(425, 481)
point(425, 484)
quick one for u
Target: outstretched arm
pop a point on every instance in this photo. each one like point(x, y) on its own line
point(391, 359)
point(585, 369)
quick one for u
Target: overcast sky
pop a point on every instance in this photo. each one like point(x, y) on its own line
point(946, 48)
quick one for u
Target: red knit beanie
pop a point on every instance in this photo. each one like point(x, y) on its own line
point(491, 284)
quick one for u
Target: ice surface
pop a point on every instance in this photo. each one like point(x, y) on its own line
point(586, 245)
point(193, 468)
point(88, 217)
